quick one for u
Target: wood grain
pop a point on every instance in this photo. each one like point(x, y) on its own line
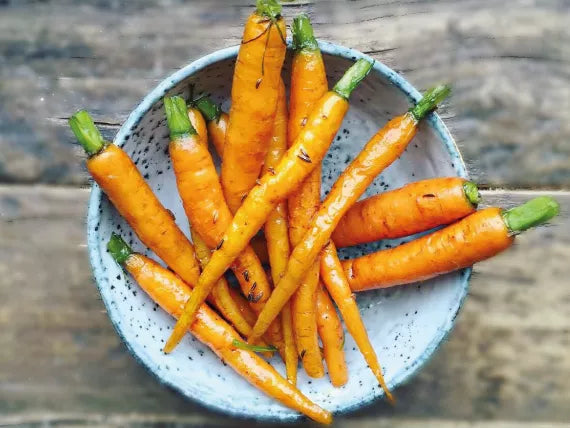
point(509, 64)
point(62, 363)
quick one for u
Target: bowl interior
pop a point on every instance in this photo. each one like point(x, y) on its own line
point(405, 324)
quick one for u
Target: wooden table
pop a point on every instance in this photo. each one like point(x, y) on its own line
point(507, 362)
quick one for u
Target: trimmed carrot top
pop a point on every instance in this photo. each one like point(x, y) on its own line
point(87, 133)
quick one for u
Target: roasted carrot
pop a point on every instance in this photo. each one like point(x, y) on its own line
point(217, 123)
point(254, 100)
point(170, 293)
point(275, 186)
point(308, 85)
point(276, 230)
point(414, 208)
point(205, 206)
point(477, 237)
point(379, 152)
point(126, 188)
point(332, 336)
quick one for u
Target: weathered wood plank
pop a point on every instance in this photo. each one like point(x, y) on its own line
point(509, 63)
point(507, 358)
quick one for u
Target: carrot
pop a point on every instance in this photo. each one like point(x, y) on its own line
point(198, 124)
point(414, 208)
point(217, 123)
point(276, 230)
point(332, 336)
point(205, 206)
point(254, 100)
point(243, 306)
point(378, 153)
point(170, 293)
point(126, 188)
point(477, 237)
point(275, 186)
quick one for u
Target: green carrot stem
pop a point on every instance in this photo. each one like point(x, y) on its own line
point(254, 348)
point(177, 117)
point(472, 193)
point(353, 76)
point(119, 249)
point(430, 100)
point(303, 37)
point(268, 8)
point(87, 133)
point(532, 213)
point(208, 108)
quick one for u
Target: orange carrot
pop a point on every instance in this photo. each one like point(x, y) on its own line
point(123, 184)
point(217, 123)
point(470, 240)
point(170, 293)
point(275, 186)
point(243, 306)
point(332, 336)
point(198, 124)
point(204, 204)
point(254, 100)
point(276, 230)
point(414, 208)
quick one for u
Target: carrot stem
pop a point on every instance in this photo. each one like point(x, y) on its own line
point(119, 249)
point(269, 8)
point(430, 100)
point(472, 193)
point(209, 109)
point(87, 133)
point(353, 76)
point(532, 213)
point(303, 36)
point(177, 117)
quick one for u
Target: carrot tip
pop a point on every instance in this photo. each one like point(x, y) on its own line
point(532, 213)
point(472, 193)
point(269, 8)
point(119, 249)
point(86, 132)
point(177, 117)
point(303, 36)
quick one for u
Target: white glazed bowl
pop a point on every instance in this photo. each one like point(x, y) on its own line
point(405, 324)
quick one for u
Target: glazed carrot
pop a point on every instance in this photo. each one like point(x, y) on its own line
point(332, 336)
point(477, 237)
point(254, 100)
point(217, 123)
point(276, 230)
point(308, 85)
point(123, 184)
point(414, 208)
point(243, 306)
point(205, 206)
point(170, 293)
point(275, 186)
point(198, 124)
point(379, 152)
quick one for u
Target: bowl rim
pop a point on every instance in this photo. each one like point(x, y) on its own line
point(329, 48)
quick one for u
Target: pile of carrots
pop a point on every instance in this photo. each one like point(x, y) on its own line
point(271, 153)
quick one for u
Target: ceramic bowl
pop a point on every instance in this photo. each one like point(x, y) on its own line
point(405, 324)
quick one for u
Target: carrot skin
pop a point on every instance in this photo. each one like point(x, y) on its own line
point(254, 100)
point(477, 237)
point(199, 124)
point(414, 208)
point(170, 292)
point(217, 132)
point(332, 336)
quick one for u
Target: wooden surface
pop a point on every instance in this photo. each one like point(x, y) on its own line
point(62, 362)
point(509, 64)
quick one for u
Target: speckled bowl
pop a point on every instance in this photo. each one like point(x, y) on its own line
point(405, 324)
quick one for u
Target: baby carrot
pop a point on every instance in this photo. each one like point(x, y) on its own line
point(414, 208)
point(276, 230)
point(170, 292)
point(205, 206)
point(470, 240)
point(198, 124)
point(308, 85)
point(126, 188)
point(254, 100)
point(217, 123)
point(379, 152)
point(297, 163)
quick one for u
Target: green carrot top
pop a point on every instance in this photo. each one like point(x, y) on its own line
point(119, 249)
point(532, 213)
point(472, 193)
point(177, 117)
point(430, 100)
point(268, 8)
point(353, 76)
point(87, 133)
point(210, 110)
point(303, 37)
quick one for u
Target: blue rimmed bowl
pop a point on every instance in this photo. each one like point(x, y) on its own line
point(405, 324)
